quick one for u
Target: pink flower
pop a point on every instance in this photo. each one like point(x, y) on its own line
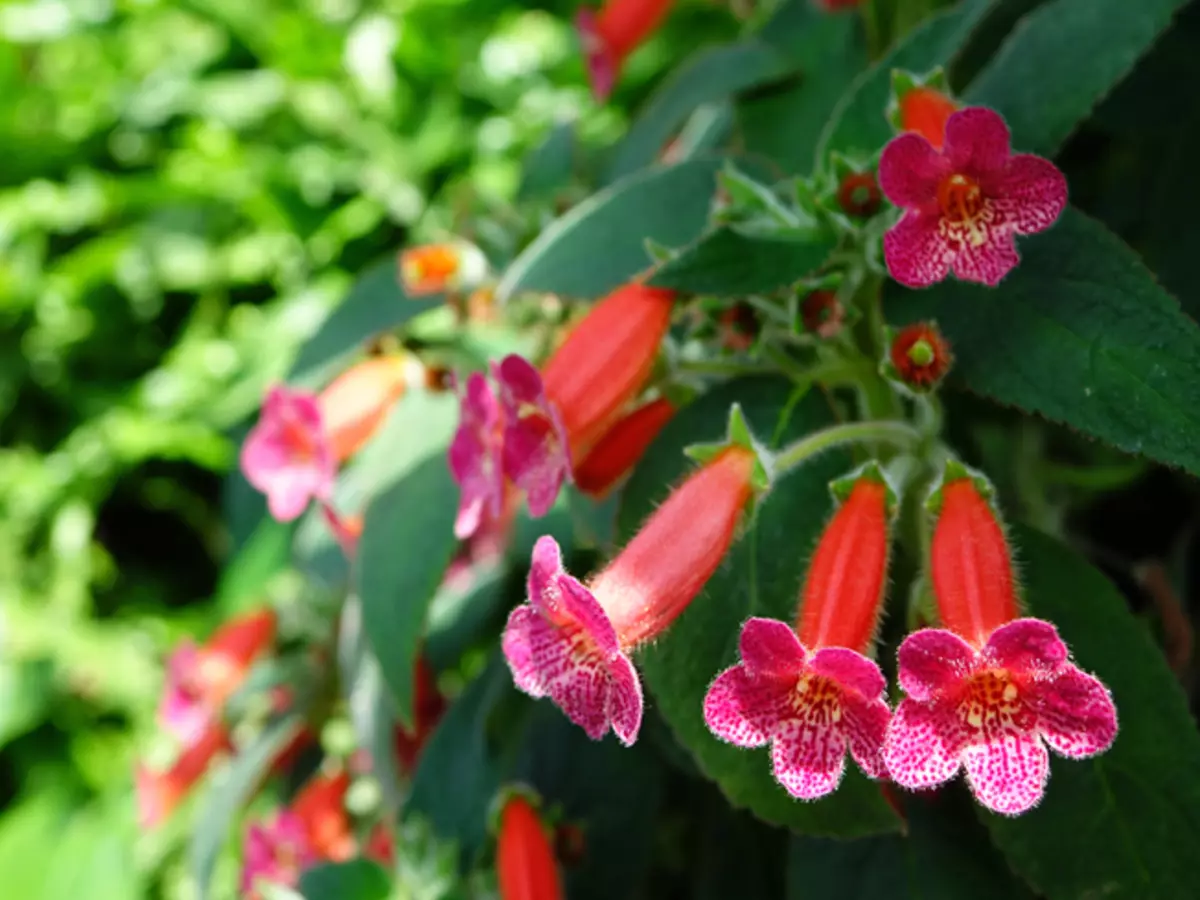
point(993, 712)
point(809, 708)
point(536, 455)
point(475, 457)
point(276, 852)
point(562, 645)
point(286, 455)
point(183, 712)
point(963, 204)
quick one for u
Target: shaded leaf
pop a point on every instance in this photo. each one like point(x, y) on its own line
point(549, 166)
point(727, 263)
point(358, 879)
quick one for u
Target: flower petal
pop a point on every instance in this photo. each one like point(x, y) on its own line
point(851, 670)
point(475, 457)
point(1008, 774)
point(910, 171)
point(989, 260)
point(1026, 647)
point(1076, 714)
point(977, 142)
point(286, 454)
point(533, 648)
point(916, 253)
point(771, 647)
point(624, 699)
point(536, 455)
point(809, 759)
point(745, 709)
point(933, 660)
point(562, 599)
point(1029, 193)
point(915, 750)
point(865, 724)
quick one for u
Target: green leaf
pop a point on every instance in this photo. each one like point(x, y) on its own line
point(550, 165)
point(729, 264)
point(859, 124)
point(376, 303)
point(1081, 333)
point(708, 75)
point(1062, 60)
point(458, 774)
point(358, 879)
point(407, 542)
point(1137, 806)
point(739, 856)
point(783, 123)
point(229, 792)
point(761, 576)
point(600, 244)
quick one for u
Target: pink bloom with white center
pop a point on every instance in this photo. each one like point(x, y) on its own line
point(536, 454)
point(809, 707)
point(286, 455)
point(476, 457)
point(993, 712)
point(964, 203)
point(276, 852)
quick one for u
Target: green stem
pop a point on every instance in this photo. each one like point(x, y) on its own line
point(895, 432)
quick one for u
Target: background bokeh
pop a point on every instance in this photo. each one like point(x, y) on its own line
point(187, 188)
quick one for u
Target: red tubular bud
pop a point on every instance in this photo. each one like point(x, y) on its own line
point(846, 576)
point(620, 449)
point(525, 865)
point(159, 793)
point(925, 111)
point(613, 33)
point(320, 805)
point(605, 361)
point(358, 401)
point(970, 564)
point(226, 659)
point(670, 559)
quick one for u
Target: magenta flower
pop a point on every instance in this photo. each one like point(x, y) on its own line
point(562, 645)
point(536, 454)
point(475, 457)
point(276, 852)
point(964, 204)
point(286, 455)
point(183, 712)
point(994, 712)
point(809, 708)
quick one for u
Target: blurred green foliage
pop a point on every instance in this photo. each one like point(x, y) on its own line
point(187, 188)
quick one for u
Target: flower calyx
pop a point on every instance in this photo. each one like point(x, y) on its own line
point(738, 434)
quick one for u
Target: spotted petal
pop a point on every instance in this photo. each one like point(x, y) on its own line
point(915, 751)
point(809, 759)
point(536, 454)
point(475, 457)
point(865, 723)
point(916, 253)
point(1008, 774)
point(851, 670)
point(746, 709)
point(986, 261)
point(933, 661)
point(1076, 714)
point(1030, 193)
point(910, 171)
point(1026, 647)
point(977, 141)
point(771, 647)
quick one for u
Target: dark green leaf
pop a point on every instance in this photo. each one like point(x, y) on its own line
point(739, 856)
point(229, 792)
point(1081, 333)
point(727, 263)
point(601, 243)
point(1061, 60)
point(1137, 807)
point(407, 541)
point(375, 303)
point(761, 576)
point(358, 879)
point(550, 165)
point(709, 75)
point(859, 123)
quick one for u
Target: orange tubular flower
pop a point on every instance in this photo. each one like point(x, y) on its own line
point(925, 111)
point(433, 268)
point(620, 449)
point(358, 401)
point(613, 33)
point(525, 864)
point(605, 361)
point(320, 805)
point(159, 793)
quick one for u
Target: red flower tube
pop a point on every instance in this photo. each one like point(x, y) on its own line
point(320, 805)
point(525, 864)
point(811, 693)
point(358, 401)
point(610, 35)
point(620, 449)
point(571, 642)
point(159, 793)
point(925, 111)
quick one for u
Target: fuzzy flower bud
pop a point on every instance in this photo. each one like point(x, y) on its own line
point(357, 402)
point(525, 864)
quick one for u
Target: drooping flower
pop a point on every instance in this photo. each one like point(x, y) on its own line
point(811, 693)
point(159, 792)
point(275, 852)
point(991, 692)
point(356, 403)
point(624, 444)
point(476, 456)
point(287, 455)
point(858, 195)
point(571, 642)
point(536, 453)
point(610, 35)
point(920, 356)
point(925, 110)
point(525, 865)
point(964, 204)
point(433, 268)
